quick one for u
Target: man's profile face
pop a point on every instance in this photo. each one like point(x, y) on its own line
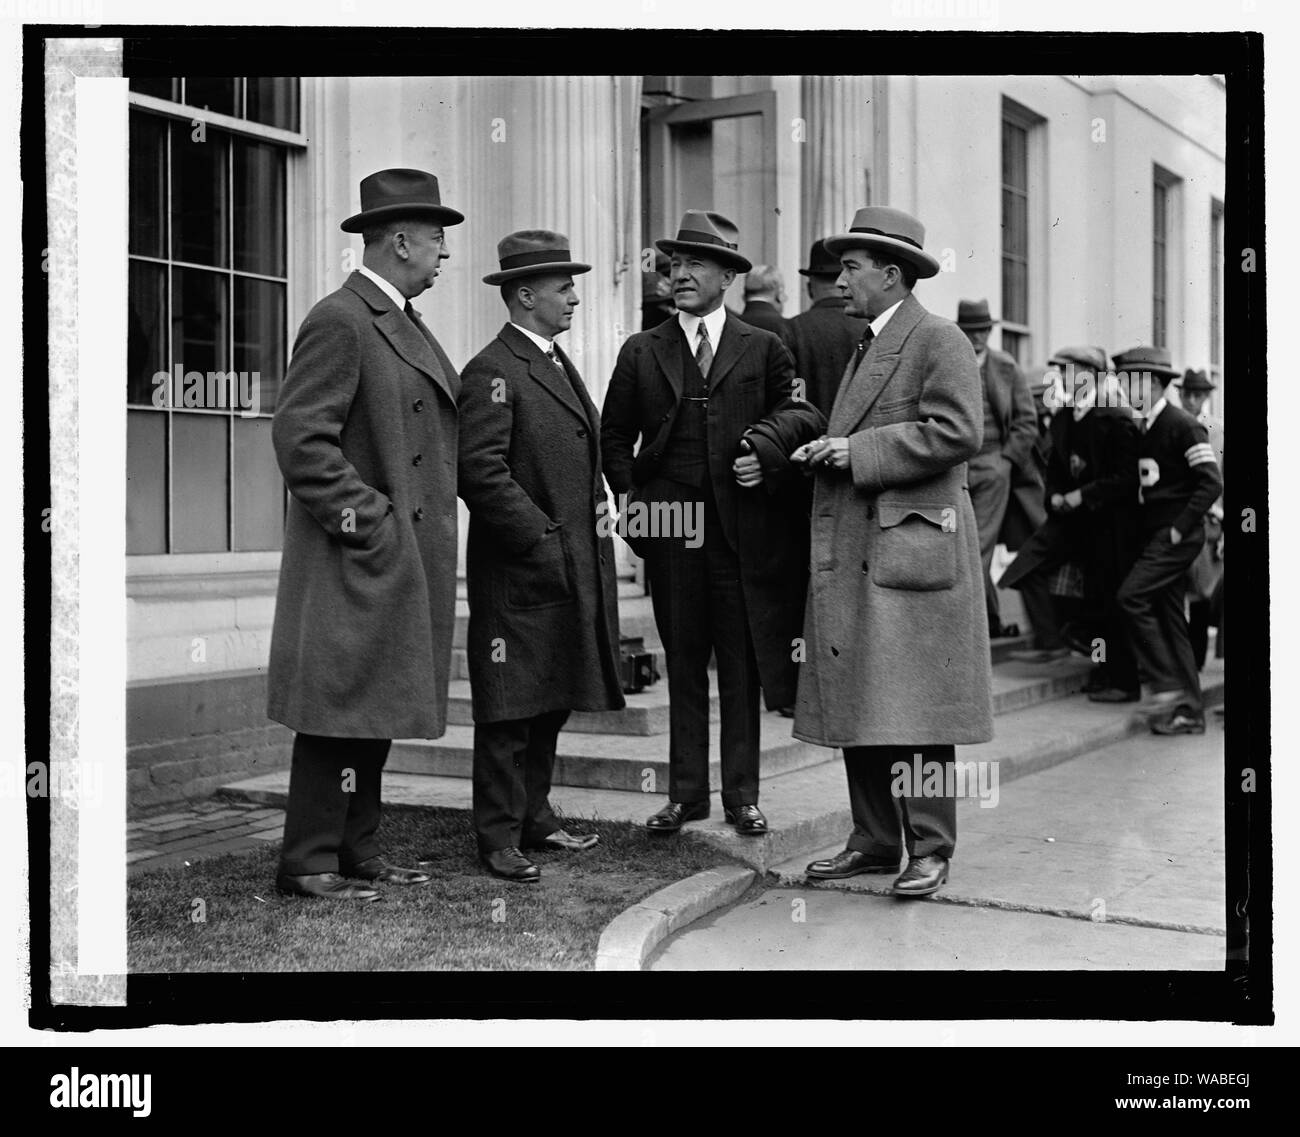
point(979, 338)
point(698, 282)
point(554, 300)
point(427, 249)
point(863, 284)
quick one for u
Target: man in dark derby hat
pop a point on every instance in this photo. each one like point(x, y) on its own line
point(897, 649)
point(543, 616)
point(822, 339)
point(1179, 481)
point(365, 435)
point(1006, 488)
point(689, 391)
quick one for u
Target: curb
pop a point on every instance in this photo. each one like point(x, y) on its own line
point(629, 938)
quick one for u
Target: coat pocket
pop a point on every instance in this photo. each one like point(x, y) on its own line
point(540, 577)
point(916, 548)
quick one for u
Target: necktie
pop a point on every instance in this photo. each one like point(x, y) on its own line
point(863, 344)
point(414, 317)
point(704, 353)
point(550, 354)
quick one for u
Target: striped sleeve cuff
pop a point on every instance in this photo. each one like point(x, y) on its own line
point(1199, 454)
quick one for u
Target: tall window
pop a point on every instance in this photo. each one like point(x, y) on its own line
point(207, 334)
point(1015, 234)
point(1216, 289)
point(1160, 265)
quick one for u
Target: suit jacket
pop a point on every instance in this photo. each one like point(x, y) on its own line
point(823, 340)
point(365, 434)
point(750, 381)
point(766, 315)
point(540, 568)
point(895, 632)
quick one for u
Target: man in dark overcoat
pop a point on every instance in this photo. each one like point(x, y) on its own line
point(365, 435)
point(689, 392)
point(1006, 488)
point(822, 338)
point(543, 615)
point(897, 641)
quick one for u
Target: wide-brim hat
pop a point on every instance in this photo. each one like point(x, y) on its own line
point(1147, 358)
point(887, 230)
point(1083, 357)
point(534, 252)
point(974, 315)
point(389, 194)
point(821, 261)
point(1197, 381)
point(703, 231)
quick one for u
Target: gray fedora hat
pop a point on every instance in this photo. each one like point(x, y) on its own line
point(534, 252)
point(890, 231)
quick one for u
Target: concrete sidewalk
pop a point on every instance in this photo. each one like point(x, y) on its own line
point(1112, 860)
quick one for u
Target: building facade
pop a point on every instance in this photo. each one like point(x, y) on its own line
point(1086, 209)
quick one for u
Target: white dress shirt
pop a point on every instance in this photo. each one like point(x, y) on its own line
point(878, 324)
point(387, 287)
point(714, 321)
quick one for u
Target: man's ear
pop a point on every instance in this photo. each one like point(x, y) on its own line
point(728, 276)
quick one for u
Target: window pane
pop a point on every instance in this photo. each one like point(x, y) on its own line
point(199, 477)
point(219, 95)
point(260, 336)
point(259, 208)
point(199, 320)
point(158, 88)
point(273, 102)
point(146, 482)
point(146, 332)
point(257, 487)
point(200, 195)
point(148, 163)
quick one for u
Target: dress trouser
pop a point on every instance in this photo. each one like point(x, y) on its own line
point(989, 476)
point(1152, 596)
point(513, 761)
point(333, 811)
point(885, 822)
point(699, 607)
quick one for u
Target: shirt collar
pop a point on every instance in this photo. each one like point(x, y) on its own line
point(714, 321)
point(543, 345)
point(386, 287)
point(1161, 403)
point(878, 324)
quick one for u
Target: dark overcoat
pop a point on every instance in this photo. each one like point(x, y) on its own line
point(365, 435)
point(823, 340)
point(543, 599)
point(1012, 403)
point(897, 637)
point(766, 315)
point(750, 381)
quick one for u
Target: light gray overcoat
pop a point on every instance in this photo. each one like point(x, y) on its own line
point(897, 649)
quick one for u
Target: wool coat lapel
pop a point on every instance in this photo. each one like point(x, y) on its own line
point(667, 350)
point(401, 333)
point(733, 343)
point(859, 392)
point(542, 369)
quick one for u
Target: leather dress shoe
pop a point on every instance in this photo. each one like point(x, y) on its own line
point(324, 886)
point(849, 863)
point(378, 869)
point(922, 876)
point(748, 820)
point(512, 865)
point(1113, 695)
point(675, 814)
point(1179, 722)
point(567, 842)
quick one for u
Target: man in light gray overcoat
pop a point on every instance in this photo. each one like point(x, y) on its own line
point(897, 650)
point(365, 435)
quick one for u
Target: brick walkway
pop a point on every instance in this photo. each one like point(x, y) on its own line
point(205, 829)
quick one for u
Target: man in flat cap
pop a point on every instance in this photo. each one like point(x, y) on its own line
point(543, 615)
point(708, 398)
point(822, 338)
point(365, 435)
point(897, 670)
point(1006, 488)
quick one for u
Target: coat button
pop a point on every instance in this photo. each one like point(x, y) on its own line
point(418, 406)
point(582, 433)
point(419, 513)
point(864, 566)
point(602, 558)
point(871, 512)
point(420, 458)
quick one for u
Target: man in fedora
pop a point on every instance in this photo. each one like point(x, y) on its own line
point(543, 614)
point(897, 662)
point(689, 391)
point(1207, 570)
point(1090, 535)
point(822, 338)
point(1006, 488)
point(365, 435)
point(1179, 481)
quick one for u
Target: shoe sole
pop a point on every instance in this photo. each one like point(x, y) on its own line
point(313, 896)
point(515, 879)
point(675, 828)
point(846, 875)
point(908, 893)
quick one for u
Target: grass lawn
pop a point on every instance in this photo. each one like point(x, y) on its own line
point(464, 920)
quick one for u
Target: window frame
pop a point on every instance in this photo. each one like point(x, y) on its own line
point(1034, 194)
